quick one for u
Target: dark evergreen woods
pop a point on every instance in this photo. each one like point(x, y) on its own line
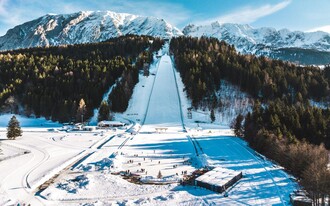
point(203, 62)
point(280, 132)
point(14, 129)
point(306, 161)
point(50, 82)
point(290, 122)
point(283, 125)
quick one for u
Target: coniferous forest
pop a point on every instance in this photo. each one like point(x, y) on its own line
point(283, 125)
point(282, 88)
point(50, 82)
point(203, 62)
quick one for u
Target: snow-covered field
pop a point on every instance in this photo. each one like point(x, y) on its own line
point(82, 165)
point(28, 122)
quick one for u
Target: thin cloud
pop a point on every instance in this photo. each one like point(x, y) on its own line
point(2, 6)
point(322, 28)
point(3, 10)
point(248, 15)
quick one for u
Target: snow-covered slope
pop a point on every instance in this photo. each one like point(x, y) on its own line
point(82, 27)
point(164, 105)
point(265, 41)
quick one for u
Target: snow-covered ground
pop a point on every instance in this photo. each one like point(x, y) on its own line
point(21, 175)
point(82, 164)
point(28, 122)
point(263, 182)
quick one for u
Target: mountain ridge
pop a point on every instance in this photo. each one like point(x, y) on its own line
point(83, 27)
point(267, 36)
point(295, 46)
point(95, 26)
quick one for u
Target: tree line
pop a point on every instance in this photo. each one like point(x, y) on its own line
point(203, 62)
point(50, 82)
point(290, 122)
point(282, 125)
point(296, 137)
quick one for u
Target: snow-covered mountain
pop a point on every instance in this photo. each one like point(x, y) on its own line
point(250, 40)
point(283, 44)
point(82, 27)
point(89, 26)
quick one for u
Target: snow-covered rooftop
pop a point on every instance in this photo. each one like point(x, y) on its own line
point(111, 122)
point(218, 176)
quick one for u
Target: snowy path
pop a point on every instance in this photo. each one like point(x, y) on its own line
point(46, 158)
point(28, 169)
point(16, 181)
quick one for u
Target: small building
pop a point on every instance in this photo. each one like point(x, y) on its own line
point(107, 124)
point(218, 179)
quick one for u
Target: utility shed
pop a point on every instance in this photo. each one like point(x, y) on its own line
point(218, 179)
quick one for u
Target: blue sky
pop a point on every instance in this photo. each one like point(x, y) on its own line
point(304, 15)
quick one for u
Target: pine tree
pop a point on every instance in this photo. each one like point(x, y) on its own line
point(104, 112)
point(159, 176)
point(14, 129)
point(212, 116)
point(237, 125)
